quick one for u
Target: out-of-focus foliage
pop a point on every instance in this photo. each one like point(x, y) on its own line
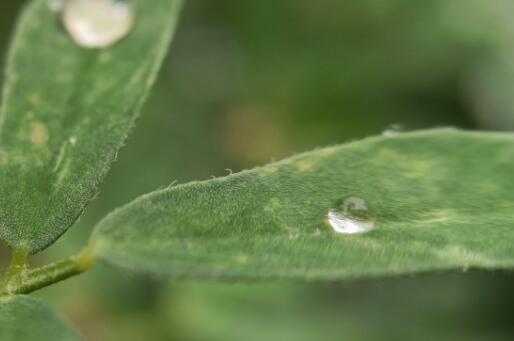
point(441, 307)
point(25, 318)
point(250, 81)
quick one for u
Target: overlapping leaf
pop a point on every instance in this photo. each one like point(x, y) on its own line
point(26, 319)
point(65, 112)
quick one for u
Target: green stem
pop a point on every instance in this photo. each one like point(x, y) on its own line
point(21, 280)
point(19, 262)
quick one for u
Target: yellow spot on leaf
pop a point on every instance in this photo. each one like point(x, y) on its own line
point(35, 99)
point(241, 259)
point(462, 255)
point(268, 170)
point(304, 165)
point(3, 158)
point(39, 134)
point(325, 152)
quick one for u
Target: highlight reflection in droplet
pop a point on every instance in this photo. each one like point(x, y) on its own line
point(351, 215)
point(97, 23)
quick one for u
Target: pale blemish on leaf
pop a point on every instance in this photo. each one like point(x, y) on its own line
point(63, 173)
point(4, 157)
point(241, 259)
point(305, 165)
point(328, 151)
point(436, 217)
point(413, 168)
point(420, 167)
point(60, 157)
point(463, 256)
point(268, 170)
point(35, 99)
point(38, 134)
point(272, 205)
point(386, 155)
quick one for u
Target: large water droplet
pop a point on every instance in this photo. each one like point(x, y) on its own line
point(351, 215)
point(97, 23)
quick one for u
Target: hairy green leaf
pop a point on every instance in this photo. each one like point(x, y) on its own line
point(66, 111)
point(23, 318)
point(439, 199)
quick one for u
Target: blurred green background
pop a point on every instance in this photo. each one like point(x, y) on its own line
point(247, 82)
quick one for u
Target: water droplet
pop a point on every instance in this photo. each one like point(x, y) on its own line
point(97, 23)
point(392, 130)
point(351, 215)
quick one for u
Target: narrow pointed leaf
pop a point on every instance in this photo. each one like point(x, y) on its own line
point(23, 318)
point(440, 199)
point(66, 110)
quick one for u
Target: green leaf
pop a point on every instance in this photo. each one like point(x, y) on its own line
point(440, 199)
point(23, 318)
point(66, 111)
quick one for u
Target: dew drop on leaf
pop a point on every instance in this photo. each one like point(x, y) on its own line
point(97, 23)
point(392, 130)
point(351, 215)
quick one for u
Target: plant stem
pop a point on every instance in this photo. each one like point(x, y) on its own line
point(21, 280)
point(18, 264)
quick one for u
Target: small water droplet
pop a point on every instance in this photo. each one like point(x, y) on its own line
point(351, 215)
point(97, 23)
point(392, 130)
